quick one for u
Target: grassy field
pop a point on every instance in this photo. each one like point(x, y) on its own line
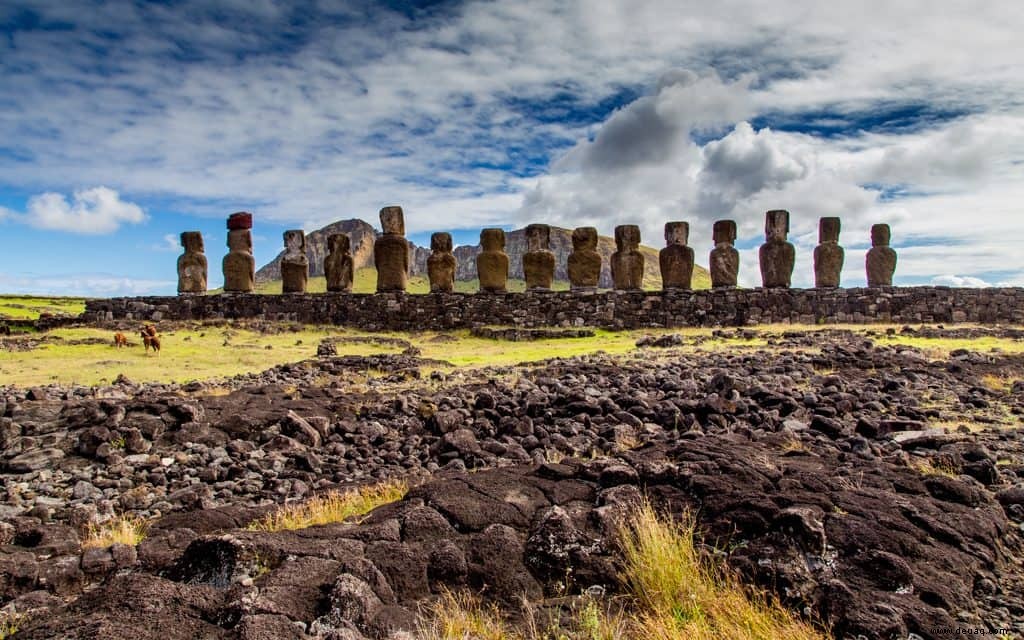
point(30, 307)
point(87, 356)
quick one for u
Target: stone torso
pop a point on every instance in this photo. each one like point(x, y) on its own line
point(192, 270)
point(391, 257)
point(828, 264)
point(881, 265)
point(724, 265)
point(441, 271)
point(628, 269)
point(539, 269)
point(338, 269)
point(492, 268)
point(239, 265)
point(676, 262)
point(777, 260)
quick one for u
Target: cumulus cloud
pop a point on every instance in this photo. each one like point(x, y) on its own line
point(98, 210)
point(959, 281)
point(89, 285)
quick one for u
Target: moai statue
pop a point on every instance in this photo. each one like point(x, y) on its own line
point(676, 259)
point(192, 265)
point(724, 262)
point(828, 255)
point(391, 251)
point(584, 262)
point(294, 263)
point(538, 261)
point(492, 262)
point(239, 265)
point(338, 265)
point(776, 254)
point(441, 264)
point(627, 261)
point(881, 259)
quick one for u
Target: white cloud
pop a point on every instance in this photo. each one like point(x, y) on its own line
point(87, 285)
point(170, 243)
point(98, 210)
point(959, 281)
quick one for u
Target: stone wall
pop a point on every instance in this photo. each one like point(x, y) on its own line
point(611, 309)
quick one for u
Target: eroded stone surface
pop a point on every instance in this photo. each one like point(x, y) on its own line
point(239, 265)
point(627, 262)
point(492, 263)
point(880, 262)
point(828, 255)
point(294, 264)
point(192, 265)
point(391, 251)
point(777, 255)
point(724, 262)
point(584, 262)
point(441, 264)
point(338, 265)
point(538, 261)
point(676, 259)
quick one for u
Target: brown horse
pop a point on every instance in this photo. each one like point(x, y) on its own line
point(120, 340)
point(149, 339)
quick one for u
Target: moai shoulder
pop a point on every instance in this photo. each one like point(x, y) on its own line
point(538, 261)
point(828, 255)
point(294, 263)
point(391, 251)
point(724, 262)
point(584, 263)
point(676, 259)
point(239, 265)
point(492, 262)
point(441, 264)
point(627, 262)
point(777, 254)
point(338, 267)
point(881, 259)
point(192, 265)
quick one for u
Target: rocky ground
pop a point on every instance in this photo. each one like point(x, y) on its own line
point(814, 466)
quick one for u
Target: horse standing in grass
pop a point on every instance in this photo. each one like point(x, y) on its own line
point(149, 339)
point(120, 340)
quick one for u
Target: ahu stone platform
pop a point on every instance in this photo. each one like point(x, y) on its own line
point(606, 309)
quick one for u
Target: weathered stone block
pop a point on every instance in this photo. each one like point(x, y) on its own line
point(676, 259)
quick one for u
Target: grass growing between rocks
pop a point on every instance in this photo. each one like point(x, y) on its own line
point(940, 348)
point(332, 507)
point(673, 592)
point(31, 307)
point(125, 529)
point(9, 624)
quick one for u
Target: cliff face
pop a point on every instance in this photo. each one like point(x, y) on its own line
point(363, 236)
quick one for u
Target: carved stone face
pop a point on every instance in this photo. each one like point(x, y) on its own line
point(776, 225)
point(880, 235)
point(627, 236)
point(338, 243)
point(724, 231)
point(492, 239)
point(584, 238)
point(295, 241)
point(538, 237)
point(392, 220)
point(192, 241)
point(677, 233)
point(828, 230)
point(441, 242)
point(240, 240)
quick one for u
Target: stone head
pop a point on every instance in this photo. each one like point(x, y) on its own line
point(584, 238)
point(880, 235)
point(240, 240)
point(776, 224)
point(627, 236)
point(339, 243)
point(828, 230)
point(441, 242)
point(492, 239)
point(295, 240)
point(677, 233)
point(240, 220)
point(724, 231)
point(192, 241)
point(392, 220)
point(538, 237)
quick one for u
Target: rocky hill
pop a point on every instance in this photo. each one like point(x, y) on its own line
point(363, 236)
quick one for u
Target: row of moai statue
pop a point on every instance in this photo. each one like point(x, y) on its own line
point(676, 261)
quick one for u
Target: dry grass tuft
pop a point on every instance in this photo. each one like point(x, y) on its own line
point(674, 591)
point(335, 506)
point(9, 624)
point(125, 529)
point(932, 467)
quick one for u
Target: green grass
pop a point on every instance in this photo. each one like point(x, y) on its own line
point(940, 347)
point(30, 307)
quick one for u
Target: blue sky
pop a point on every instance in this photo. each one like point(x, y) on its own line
point(125, 123)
